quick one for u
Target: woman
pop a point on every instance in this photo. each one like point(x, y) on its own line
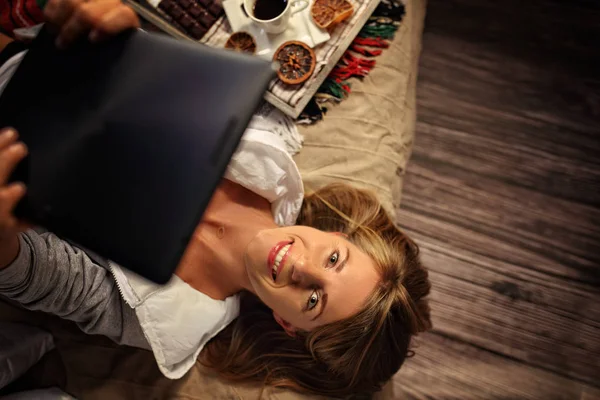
point(328, 305)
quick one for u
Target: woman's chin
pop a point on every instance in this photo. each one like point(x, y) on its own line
point(256, 269)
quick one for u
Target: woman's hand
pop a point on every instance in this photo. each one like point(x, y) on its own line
point(11, 153)
point(96, 18)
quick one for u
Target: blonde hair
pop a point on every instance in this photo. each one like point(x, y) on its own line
point(348, 357)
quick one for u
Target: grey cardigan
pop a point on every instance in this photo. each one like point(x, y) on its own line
point(53, 276)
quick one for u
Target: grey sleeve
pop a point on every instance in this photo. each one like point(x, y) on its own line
point(53, 276)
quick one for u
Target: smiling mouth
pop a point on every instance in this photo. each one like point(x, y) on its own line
point(277, 258)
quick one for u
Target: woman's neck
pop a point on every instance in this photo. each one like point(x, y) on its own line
point(213, 262)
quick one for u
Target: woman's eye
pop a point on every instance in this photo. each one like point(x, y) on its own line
point(333, 258)
point(313, 300)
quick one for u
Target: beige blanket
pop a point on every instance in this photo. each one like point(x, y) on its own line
point(365, 140)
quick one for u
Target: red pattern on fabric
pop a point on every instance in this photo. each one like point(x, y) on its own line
point(5, 19)
point(35, 11)
point(364, 51)
point(351, 66)
point(372, 42)
point(20, 15)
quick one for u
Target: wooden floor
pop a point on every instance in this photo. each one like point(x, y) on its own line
point(503, 196)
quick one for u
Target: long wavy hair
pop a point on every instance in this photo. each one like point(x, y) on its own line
point(353, 356)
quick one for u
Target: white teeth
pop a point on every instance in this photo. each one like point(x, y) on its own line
point(279, 256)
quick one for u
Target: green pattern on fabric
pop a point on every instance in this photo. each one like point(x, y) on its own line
point(334, 88)
point(384, 31)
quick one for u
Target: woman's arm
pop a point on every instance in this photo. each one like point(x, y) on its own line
point(50, 275)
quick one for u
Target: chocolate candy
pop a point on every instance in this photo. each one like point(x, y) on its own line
point(195, 10)
point(177, 26)
point(195, 17)
point(197, 31)
point(185, 4)
point(186, 21)
point(206, 19)
point(215, 10)
point(176, 12)
point(166, 5)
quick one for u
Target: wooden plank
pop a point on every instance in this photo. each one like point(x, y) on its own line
point(533, 141)
point(502, 195)
point(448, 369)
point(516, 224)
point(499, 280)
point(508, 309)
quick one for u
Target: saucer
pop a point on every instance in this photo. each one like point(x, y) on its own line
point(301, 28)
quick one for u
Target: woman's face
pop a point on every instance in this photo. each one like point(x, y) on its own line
point(309, 277)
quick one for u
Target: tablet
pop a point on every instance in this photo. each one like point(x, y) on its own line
point(128, 140)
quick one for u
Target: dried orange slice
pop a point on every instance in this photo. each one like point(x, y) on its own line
point(296, 62)
point(327, 13)
point(242, 42)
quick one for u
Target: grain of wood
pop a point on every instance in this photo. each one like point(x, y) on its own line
point(502, 194)
point(445, 368)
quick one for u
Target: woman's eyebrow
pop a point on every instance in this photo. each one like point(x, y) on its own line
point(323, 304)
point(341, 266)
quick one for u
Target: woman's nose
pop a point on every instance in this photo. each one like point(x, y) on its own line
point(304, 273)
point(297, 272)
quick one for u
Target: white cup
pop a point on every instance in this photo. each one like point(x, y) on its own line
point(280, 22)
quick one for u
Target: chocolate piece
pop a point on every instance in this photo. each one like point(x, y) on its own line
point(185, 4)
point(195, 10)
point(178, 26)
point(206, 3)
point(166, 5)
point(197, 31)
point(215, 10)
point(186, 21)
point(206, 19)
point(176, 12)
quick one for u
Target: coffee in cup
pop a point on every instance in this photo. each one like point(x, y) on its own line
point(273, 15)
point(268, 9)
